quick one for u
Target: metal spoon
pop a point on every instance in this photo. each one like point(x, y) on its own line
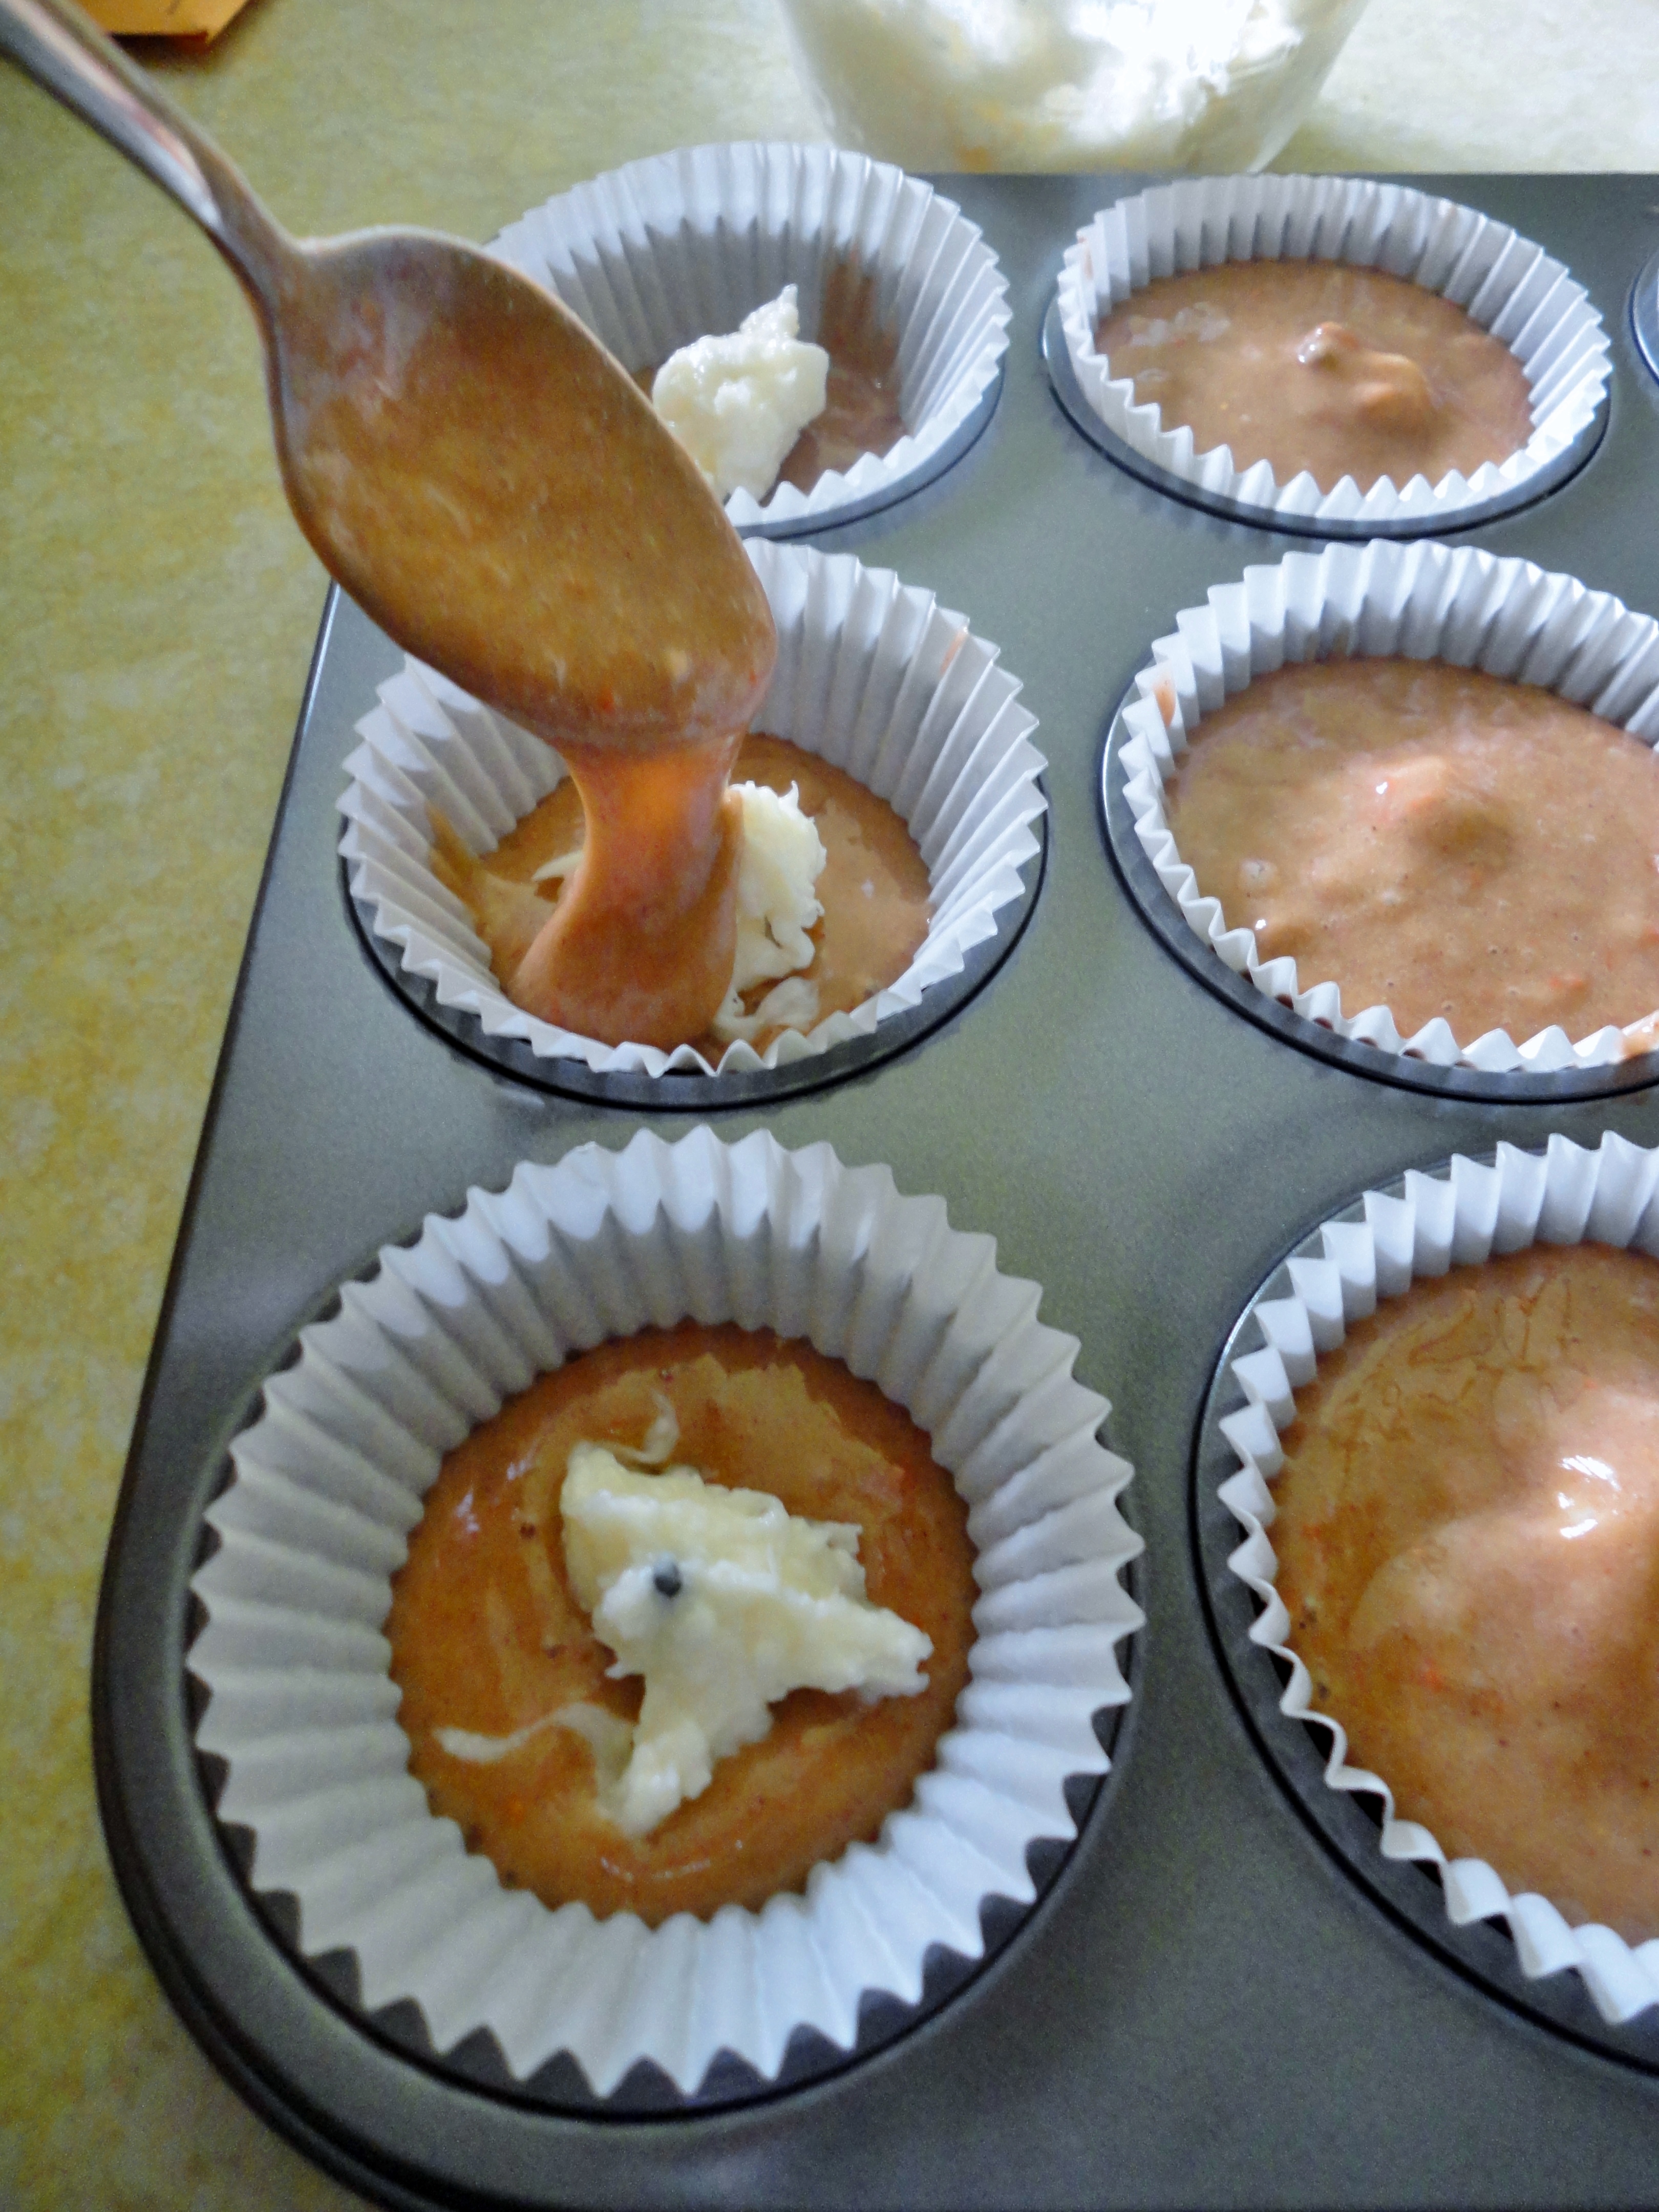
point(466, 457)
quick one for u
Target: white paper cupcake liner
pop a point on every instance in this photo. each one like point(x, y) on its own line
point(683, 245)
point(1423, 601)
point(328, 1482)
point(1508, 285)
point(1565, 1195)
point(871, 675)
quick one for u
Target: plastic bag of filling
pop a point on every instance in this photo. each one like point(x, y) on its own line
point(1067, 84)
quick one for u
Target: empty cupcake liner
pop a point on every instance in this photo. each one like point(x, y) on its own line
point(682, 245)
point(1564, 1195)
point(871, 675)
point(1425, 602)
point(328, 1481)
point(1507, 284)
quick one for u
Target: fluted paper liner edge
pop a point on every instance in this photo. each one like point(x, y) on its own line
point(1563, 1196)
point(872, 675)
point(681, 246)
point(1506, 283)
point(1427, 602)
point(328, 1481)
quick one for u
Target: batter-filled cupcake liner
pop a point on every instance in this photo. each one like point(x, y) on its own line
point(1508, 285)
point(328, 1481)
point(1424, 602)
point(682, 245)
point(872, 675)
point(1564, 1195)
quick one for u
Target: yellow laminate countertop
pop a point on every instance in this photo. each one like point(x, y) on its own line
point(156, 623)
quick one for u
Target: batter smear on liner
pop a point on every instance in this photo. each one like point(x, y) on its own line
point(861, 409)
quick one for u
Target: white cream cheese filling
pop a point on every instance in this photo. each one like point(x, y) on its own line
point(725, 1602)
point(609, 1739)
point(783, 857)
point(737, 403)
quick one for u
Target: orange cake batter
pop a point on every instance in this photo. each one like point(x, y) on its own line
point(487, 1637)
point(1434, 840)
point(874, 888)
point(1318, 366)
point(1467, 1532)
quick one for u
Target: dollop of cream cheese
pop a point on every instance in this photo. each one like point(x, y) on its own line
point(738, 403)
point(783, 857)
point(724, 1601)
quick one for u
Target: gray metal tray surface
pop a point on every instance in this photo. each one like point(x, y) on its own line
point(1207, 2008)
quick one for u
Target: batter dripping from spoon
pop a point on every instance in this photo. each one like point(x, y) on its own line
point(498, 495)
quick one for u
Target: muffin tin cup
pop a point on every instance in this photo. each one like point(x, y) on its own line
point(327, 1484)
point(1375, 1249)
point(1644, 315)
point(872, 675)
point(1507, 284)
point(1425, 602)
point(682, 245)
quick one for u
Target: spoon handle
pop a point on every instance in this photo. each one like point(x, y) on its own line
point(64, 50)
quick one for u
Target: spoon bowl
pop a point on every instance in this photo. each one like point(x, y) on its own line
point(503, 499)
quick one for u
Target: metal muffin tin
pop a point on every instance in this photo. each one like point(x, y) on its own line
point(1206, 2007)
